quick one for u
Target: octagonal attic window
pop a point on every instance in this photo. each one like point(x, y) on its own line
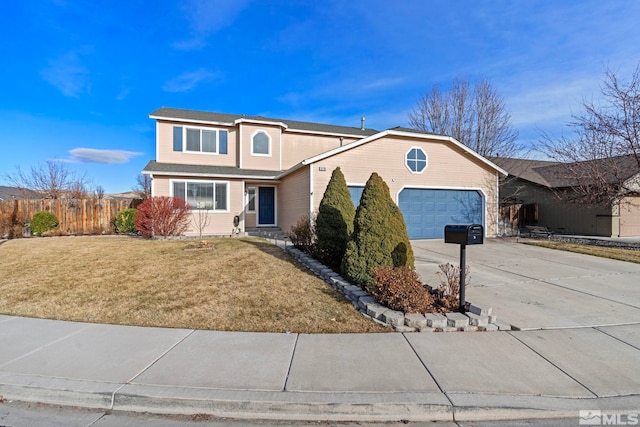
point(416, 160)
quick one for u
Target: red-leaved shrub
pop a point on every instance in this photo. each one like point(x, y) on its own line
point(162, 216)
point(400, 289)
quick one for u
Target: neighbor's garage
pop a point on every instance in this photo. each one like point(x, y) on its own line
point(630, 217)
point(427, 211)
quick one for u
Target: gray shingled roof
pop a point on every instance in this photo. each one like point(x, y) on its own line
point(411, 130)
point(229, 119)
point(209, 171)
point(524, 168)
point(561, 175)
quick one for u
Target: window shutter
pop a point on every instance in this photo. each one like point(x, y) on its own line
point(222, 144)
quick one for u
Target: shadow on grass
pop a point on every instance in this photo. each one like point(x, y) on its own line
point(271, 249)
point(277, 252)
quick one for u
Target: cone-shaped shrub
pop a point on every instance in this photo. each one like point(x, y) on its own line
point(334, 223)
point(379, 236)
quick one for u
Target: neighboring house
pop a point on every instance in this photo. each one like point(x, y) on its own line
point(15, 193)
point(535, 181)
point(271, 172)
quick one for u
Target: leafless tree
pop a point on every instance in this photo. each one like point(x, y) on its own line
point(99, 192)
point(53, 180)
point(601, 154)
point(200, 218)
point(475, 115)
point(143, 186)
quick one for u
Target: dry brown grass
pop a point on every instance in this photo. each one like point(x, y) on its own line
point(628, 255)
point(240, 285)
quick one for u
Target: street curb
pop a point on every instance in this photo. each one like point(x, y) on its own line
point(306, 406)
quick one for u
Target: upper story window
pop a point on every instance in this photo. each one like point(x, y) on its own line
point(261, 144)
point(200, 140)
point(416, 160)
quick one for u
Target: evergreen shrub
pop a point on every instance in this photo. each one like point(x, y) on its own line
point(334, 223)
point(42, 222)
point(379, 237)
point(124, 222)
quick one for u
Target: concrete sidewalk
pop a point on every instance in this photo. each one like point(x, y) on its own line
point(373, 377)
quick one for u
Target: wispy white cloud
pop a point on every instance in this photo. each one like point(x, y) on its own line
point(205, 18)
point(189, 80)
point(383, 83)
point(92, 155)
point(68, 75)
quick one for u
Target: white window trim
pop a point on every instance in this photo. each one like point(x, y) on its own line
point(270, 143)
point(188, 181)
point(216, 130)
point(426, 160)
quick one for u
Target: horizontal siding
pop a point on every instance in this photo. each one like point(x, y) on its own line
point(297, 147)
point(165, 153)
point(558, 216)
point(220, 223)
point(293, 198)
point(249, 161)
point(448, 167)
point(630, 217)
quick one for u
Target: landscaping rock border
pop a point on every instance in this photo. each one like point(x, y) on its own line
point(596, 242)
point(477, 319)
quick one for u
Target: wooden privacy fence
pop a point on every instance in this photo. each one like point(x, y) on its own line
point(514, 218)
point(76, 216)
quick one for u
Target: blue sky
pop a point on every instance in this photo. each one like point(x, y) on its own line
point(79, 78)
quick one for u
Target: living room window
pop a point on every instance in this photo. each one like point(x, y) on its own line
point(416, 160)
point(200, 140)
point(203, 195)
point(261, 144)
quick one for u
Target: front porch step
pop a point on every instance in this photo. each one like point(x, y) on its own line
point(267, 232)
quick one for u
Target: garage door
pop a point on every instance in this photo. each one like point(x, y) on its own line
point(427, 211)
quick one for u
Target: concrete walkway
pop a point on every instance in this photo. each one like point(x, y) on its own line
point(580, 360)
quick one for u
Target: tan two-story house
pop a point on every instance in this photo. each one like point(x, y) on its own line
point(270, 172)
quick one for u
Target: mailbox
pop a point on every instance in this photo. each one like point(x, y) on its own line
point(464, 234)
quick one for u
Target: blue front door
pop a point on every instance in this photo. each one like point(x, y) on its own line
point(266, 206)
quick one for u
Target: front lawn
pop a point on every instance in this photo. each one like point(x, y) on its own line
point(239, 285)
point(628, 255)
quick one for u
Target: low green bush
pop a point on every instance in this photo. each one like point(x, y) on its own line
point(42, 222)
point(124, 222)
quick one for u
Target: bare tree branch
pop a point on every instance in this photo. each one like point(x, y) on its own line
point(474, 115)
point(602, 152)
point(53, 180)
point(143, 186)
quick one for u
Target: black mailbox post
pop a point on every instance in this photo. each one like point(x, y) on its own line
point(463, 235)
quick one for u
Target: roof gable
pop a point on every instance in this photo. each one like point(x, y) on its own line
point(396, 132)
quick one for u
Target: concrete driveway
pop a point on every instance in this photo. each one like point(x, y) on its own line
point(536, 288)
